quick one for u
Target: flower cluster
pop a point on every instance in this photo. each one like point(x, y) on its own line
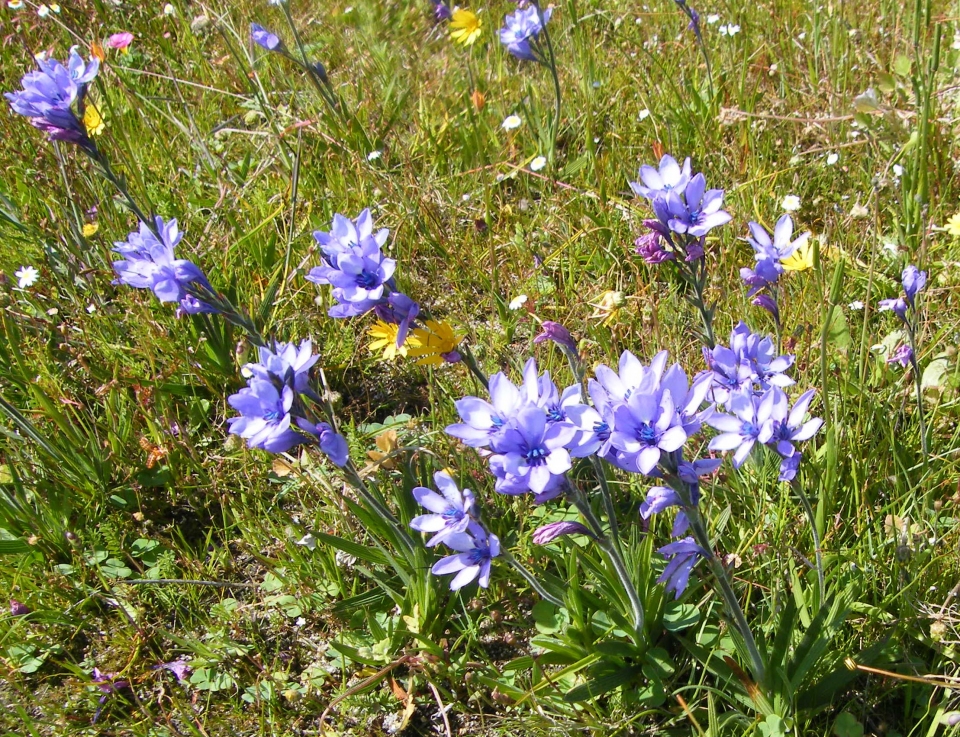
point(361, 276)
point(149, 263)
point(273, 415)
point(453, 520)
point(685, 211)
point(521, 31)
point(913, 281)
point(49, 95)
point(749, 364)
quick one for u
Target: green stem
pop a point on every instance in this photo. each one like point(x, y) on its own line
point(812, 520)
point(918, 380)
point(551, 64)
point(468, 358)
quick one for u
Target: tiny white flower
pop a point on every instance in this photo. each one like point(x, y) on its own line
point(54, 7)
point(348, 10)
point(791, 203)
point(15, 4)
point(713, 18)
point(91, 308)
point(276, 2)
point(300, 621)
point(856, 305)
point(897, 171)
point(517, 302)
point(26, 276)
point(644, 114)
point(374, 155)
point(832, 159)
point(538, 163)
point(43, 11)
point(308, 541)
point(729, 29)
point(511, 122)
point(168, 9)
point(859, 212)
point(802, 36)
point(891, 248)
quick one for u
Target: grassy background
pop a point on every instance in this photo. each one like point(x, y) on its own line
point(233, 143)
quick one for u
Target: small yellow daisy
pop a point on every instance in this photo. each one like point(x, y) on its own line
point(435, 345)
point(89, 229)
point(801, 259)
point(464, 27)
point(953, 226)
point(384, 336)
point(93, 120)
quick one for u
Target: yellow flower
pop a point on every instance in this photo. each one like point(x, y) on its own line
point(384, 336)
point(801, 259)
point(89, 229)
point(608, 306)
point(93, 120)
point(953, 226)
point(464, 27)
point(432, 344)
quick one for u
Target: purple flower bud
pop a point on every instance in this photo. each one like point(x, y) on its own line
point(179, 668)
point(769, 304)
point(789, 467)
point(264, 38)
point(903, 355)
point(913, 281)
point(17, 609)
point(558, 334)
point(649, 247)
point(551, 532)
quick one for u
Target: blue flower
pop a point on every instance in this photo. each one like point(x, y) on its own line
point(331, 443)
point(698, 211)
point(669, 177)
point(264, 420)
point(749, 364)
point(476, 549)
point(48, 95)
point(781, 246)
point(913, 281)
point(646, 425)
point(788, 428)
point(451, 512)
point(484, 422)
point(532, 452)
point(550, 532)
point(149, 263)
point(683, 556)
point(748, 425)
point(285, 364)
point(521, 29)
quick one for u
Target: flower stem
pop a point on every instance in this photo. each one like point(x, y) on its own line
point(103, 163)
point(530, 579)
point(616, 560)
point(551, 64)
point(812, 520)
point(468, 358)
point(918, 380)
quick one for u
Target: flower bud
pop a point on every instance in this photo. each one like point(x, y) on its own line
point(551, 532)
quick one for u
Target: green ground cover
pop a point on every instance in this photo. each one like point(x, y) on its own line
point(295, 608)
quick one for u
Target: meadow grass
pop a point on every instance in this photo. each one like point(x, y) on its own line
point(117, 465)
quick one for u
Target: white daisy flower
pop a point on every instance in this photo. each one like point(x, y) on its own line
point(511, 122)
point(26, 276)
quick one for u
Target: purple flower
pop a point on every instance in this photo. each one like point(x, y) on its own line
point(750, 360)
point(398, 309)
point(903, 355)
point(898, 305)
point(451, 511)
point(766, 273)
point(264, 420)
point(285, 364)
point(476, 548)
point(789, 467)
point(659, 182)
point(913, 282)
point(346, 234)
point(483, 421)
point(149, 263)
point(521, 29)
point(746, 426)
point(48, 95)
point(17, 609)
point(787, 429)
point(558, 334)
point(688, 401)
point(779, 247)
point(549, 533)
point(106, 684)
point(441, 11)
point(179, 668)
point(533, 453)
point(683, 556)
point(264, 38)
point(645, 426)
point(332, 444)
point(698, 211)
point(650, 247)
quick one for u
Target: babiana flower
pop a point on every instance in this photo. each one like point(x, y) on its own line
point(93, 120)
point(435, 345)
point(801, 259)
point(953, 226)
point(464, 27)
point(385, 337)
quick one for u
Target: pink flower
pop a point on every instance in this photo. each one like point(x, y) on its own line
point(120, 41)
